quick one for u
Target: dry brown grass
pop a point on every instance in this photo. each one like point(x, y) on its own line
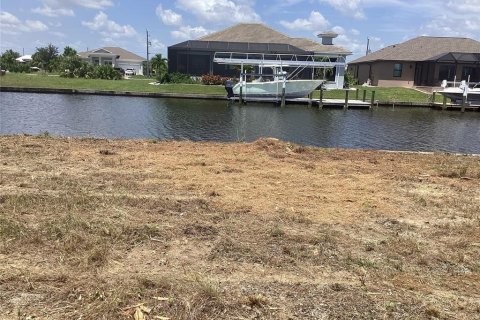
point(99, 229)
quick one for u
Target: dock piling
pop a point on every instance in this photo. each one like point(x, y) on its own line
point(320, 102)
point(373, 99)
point(364, 95)
point(464, 102)
point(356, 93)
point(345, 106)
point(444, 106)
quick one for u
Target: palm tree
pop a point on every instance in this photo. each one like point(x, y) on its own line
point(159, 64)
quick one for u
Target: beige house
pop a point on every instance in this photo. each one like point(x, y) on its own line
point(116, 57)
point(422, 61)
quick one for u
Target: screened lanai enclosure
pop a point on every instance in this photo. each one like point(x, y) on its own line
point(197, 58)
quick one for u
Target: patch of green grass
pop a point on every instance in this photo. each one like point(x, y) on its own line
point(140, 84)
point(23, 80)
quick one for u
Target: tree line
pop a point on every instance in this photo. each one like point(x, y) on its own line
point(69, 64)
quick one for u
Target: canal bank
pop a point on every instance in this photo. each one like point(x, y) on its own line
point(92, 227)
point(345, 103)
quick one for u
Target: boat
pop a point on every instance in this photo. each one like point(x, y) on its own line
point(263, 87)
point(278, 83)
point(274, 89)
point(465, 90)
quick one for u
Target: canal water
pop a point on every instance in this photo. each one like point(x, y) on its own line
point(416, 129)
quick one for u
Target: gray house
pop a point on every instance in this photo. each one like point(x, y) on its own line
point(195, 57)
point(422, 61)
point(116, 57)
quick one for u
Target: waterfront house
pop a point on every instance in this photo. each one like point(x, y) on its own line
point(116, 57)
point(422, 61)
point(195, 57)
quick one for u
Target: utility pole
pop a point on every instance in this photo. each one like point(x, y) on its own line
point(148, 53)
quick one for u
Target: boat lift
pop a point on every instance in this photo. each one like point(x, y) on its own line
point(299, 62)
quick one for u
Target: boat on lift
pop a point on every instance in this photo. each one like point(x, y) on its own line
point(272, 85)
point(460, 91)
point(278, 83)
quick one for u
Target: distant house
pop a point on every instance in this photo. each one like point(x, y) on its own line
point(422, 61)
point(116, 57)
point(195, 57)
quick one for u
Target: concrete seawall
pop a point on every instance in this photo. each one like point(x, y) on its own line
point(114, 93)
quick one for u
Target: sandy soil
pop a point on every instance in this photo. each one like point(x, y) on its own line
point(101, 229)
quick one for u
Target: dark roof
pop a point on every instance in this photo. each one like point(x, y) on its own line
point(121, 53)
point(239, 46)
point(260, 33)
point(422, 49)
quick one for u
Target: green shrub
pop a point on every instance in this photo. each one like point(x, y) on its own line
point(176, 77)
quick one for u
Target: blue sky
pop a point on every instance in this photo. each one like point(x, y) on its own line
point(89, 24)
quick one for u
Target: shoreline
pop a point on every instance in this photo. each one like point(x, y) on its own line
point(334, 103)
point(97, 228)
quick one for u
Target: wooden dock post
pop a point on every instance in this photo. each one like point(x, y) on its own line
point(320, 103)
point(310, 99)
point(464, 102)
point(345, 106)
point(444, 106)
point(373, 99)
point(240, 98)
point(356, 93)
point(364, 95)
point(433, 98)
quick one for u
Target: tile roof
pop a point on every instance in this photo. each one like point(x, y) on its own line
point(122, 53)
point(422, 49)
point(260, 33)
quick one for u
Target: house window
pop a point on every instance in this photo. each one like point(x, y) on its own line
point(397, 70)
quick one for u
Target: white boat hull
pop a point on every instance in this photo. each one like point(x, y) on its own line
point(456, 94)
point(273, 89)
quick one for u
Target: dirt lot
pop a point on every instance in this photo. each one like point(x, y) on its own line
point(101, 229)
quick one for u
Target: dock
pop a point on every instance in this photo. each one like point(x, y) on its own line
point(324, 103)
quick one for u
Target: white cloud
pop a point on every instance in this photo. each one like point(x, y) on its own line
point(109, 28)
point(168, 16)
point(355, 32)
point(35, 25)
point(56, 8)
point(316, 21)
point(465, 6)
point(49, 12)
point(91, 4)
point(351, 8)
point(10, 24)
point(220, 11)
point(157, 45)
point(188, 32)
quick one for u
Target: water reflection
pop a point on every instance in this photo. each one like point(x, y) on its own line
point(128, 117)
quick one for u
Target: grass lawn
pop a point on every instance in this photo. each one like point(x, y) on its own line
point(140, 84)
point(135, 85)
